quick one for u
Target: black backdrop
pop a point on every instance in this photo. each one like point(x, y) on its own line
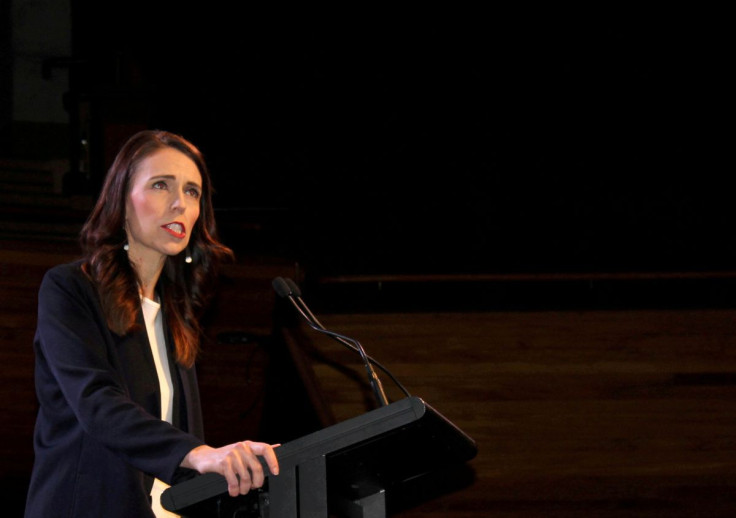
point(444, 141)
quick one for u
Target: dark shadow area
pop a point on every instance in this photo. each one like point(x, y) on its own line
point(454, 144)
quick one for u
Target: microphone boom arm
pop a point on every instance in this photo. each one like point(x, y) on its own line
point(287, 288)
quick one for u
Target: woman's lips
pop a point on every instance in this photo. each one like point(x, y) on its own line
point(176, 229)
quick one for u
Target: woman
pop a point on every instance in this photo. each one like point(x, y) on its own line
point(117, 339)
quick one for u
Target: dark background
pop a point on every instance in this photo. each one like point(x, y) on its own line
point(446, 141)
point(591, 147)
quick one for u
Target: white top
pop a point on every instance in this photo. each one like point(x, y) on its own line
point(155, 330)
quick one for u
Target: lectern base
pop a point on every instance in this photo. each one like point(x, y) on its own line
point(372, 506)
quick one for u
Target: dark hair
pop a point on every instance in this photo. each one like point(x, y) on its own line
point(185, 288)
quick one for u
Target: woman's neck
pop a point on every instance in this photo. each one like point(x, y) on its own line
point(148, 274)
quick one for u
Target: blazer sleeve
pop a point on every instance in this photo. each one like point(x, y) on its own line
point(79, 350)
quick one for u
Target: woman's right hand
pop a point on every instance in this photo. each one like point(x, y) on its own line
point(237, 462)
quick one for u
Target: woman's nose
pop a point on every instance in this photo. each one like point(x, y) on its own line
point(179, 202)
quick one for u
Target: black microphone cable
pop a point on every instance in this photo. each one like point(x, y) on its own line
point(286, 288)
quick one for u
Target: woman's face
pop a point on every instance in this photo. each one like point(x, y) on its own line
point(162, 206)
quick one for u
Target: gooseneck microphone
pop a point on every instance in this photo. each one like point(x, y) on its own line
point(286, 288)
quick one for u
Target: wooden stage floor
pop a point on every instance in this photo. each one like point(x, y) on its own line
point(576, 413)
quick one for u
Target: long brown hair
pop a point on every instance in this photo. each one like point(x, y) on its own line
point(185, 288)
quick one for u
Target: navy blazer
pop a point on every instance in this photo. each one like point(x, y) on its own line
point(99, 439)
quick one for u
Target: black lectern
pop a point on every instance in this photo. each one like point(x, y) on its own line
point(342, 470)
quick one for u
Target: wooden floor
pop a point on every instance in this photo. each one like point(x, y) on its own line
point(576, 413)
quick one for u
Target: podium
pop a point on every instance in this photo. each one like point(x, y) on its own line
point(345, 470)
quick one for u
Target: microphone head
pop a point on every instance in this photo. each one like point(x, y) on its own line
point(293, 287)
point(281, 287)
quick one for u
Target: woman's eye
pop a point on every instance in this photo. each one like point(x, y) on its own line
point(159, 185)
point(194, 193)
